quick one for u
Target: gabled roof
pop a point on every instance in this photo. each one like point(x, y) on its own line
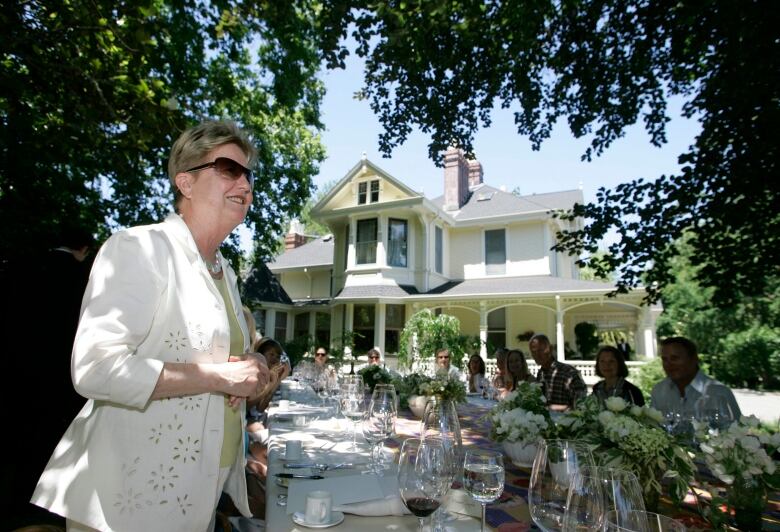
point(358, 168)
point(318, 252)
point(260, 286)
point(486, 202)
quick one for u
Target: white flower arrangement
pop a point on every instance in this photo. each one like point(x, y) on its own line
point(744, 449)
point(521, 416)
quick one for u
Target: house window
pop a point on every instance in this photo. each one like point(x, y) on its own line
point(396, 243)
point(439, 262)
point(366, 241)
point(280, 326)
point(375, 191)
point(259, 315)
point(368, 192)
point(363, 325)
point(495, 252)
point(322, 328)
point(496, 334)
point(301, 329)
point(395, 317)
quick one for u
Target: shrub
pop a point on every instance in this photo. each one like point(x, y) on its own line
point(648, 376)
point(749, 358)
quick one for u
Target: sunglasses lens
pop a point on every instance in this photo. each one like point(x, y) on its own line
point(231, 169)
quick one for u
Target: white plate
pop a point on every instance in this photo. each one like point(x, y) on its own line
point(335, 518)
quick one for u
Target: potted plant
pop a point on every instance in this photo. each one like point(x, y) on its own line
point(519, 421)
point(373, 375)
point(425, 332)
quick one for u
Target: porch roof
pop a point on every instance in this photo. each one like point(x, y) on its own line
point(496, 286)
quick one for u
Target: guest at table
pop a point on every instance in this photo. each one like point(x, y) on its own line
point(517, 370)
point(443, 365)
point(272, 351)
point(477, 380)
point(374, 357)
point(685, 382)
point(160, 354)
point(611, 367)
point(499, 379)
point(563, 385)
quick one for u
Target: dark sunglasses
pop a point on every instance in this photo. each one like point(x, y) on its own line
point(320, 354)
point(373, 356)
point(227, 168)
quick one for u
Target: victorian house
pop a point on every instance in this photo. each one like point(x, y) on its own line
point(478, 253)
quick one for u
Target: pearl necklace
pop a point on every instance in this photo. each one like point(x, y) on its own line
point(214, 268)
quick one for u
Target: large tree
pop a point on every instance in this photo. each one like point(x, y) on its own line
point(93, 93)
point(603, 65)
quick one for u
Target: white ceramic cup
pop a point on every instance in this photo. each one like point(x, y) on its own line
point(318, 506)
point(284, 404)
point(293, 450)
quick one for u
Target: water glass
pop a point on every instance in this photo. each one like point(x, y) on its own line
point(555, 464)
point(639, 521)
point(483, 477)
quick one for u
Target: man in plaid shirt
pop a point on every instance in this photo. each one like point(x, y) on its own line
point(562, 384)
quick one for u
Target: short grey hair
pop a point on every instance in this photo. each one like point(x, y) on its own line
point(197, 141)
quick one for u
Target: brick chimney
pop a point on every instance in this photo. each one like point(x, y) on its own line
point(456, 179)
point(475, 173)
point(295, 237)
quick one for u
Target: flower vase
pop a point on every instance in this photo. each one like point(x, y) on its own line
point(747, 497)
point(417, 405)
point(521, 453)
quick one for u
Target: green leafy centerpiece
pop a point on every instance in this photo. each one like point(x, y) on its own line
point(519, 421)
point(416, 389)
point(632, 438)
point(373, 375)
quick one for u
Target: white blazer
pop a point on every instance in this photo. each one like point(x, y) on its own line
point(127, 463)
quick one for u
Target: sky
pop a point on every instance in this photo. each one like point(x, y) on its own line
point(507, 158)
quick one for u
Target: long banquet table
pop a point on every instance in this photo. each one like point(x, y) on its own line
point(509, 513)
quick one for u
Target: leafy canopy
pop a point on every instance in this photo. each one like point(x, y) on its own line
point(603, 65)
point(95, 92)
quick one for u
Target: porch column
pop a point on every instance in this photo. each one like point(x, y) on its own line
point(379, 326)
point(483, 330)
point(560, 352)
point(270, 322)
point(348, 323)
point(312, 326)
point(648, 330)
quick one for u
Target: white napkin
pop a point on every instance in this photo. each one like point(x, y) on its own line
point(390, 505)
point(460, 502)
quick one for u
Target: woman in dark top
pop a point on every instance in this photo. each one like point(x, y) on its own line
point(611, 367)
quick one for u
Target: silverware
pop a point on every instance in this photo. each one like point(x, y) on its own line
point(321, 467)
point(292, 475)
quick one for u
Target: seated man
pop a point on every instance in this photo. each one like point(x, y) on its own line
point(562, 384)
point(443, 365)
point(685, 383)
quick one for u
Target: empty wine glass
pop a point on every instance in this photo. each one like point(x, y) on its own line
point(622, 491)
point(483, 477)
point(352, 406)
point(379, 423)
point(421, 481)
point(585, 504)
point(715, 412)
point(555, 463)
point(639, 521)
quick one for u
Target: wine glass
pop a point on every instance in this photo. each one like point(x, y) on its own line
point(585, 504)
point(440, 420)
point(421, 481)
point(352, 406)
point(379, 423)
point(639, 521)
point(483, 477)
point(622, 491)
point(555, 463)
point(715, 412)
